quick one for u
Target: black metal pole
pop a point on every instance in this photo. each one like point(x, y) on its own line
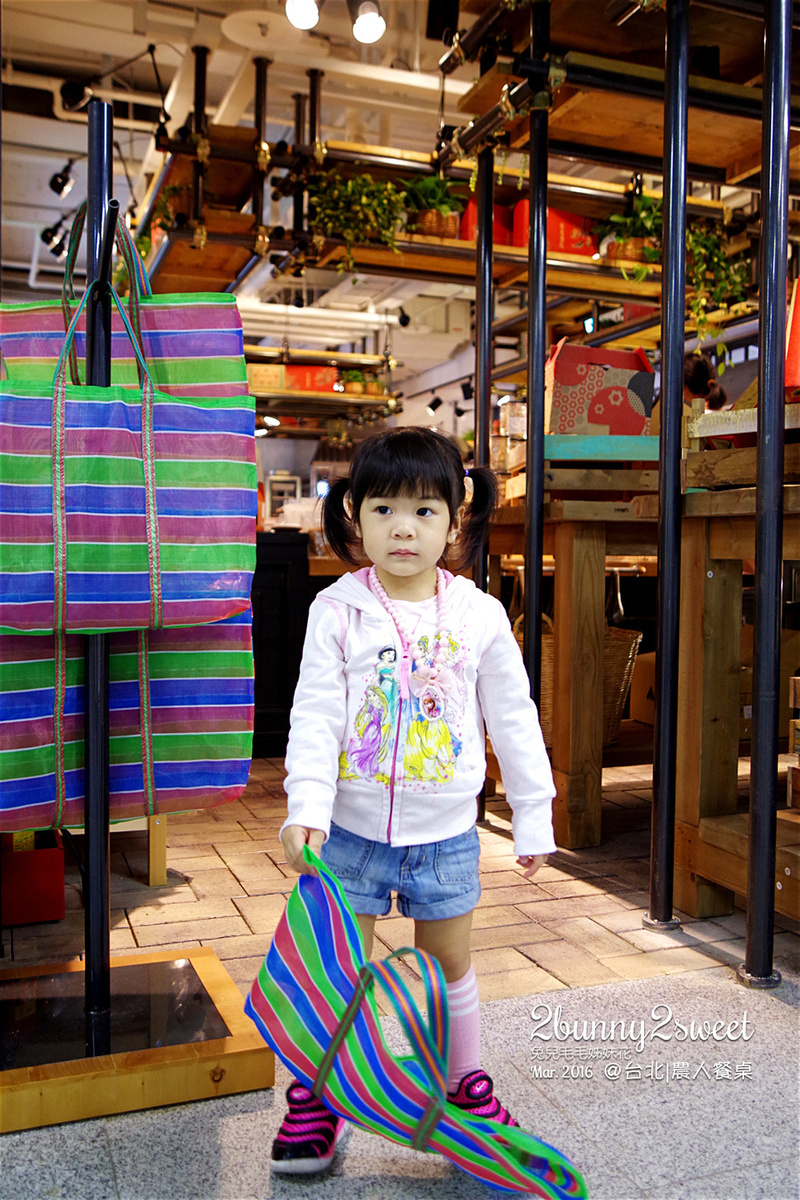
point(757, 968)
point(259, 176)
point(199, 128)
point(484, 194)
point(97, 900)
point(299, 140)
point(314, 105)
point(673, 304)
point(537, 354)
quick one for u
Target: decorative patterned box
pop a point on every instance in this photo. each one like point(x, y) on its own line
point(592, 390)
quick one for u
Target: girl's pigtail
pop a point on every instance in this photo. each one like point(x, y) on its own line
point(339, 531)
point(478, 514)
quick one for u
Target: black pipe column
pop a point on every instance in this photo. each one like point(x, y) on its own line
point(97, 897)
point(537, 353)
point(757, 968)
point(299, 140)
point(673, 309)
point(484, 195)
point(199, 128)
point(260, 176)
point(314, 105)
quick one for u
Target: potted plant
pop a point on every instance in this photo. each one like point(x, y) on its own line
point(716, 281)
point(357, 210)
point(636, 233)
point(373, 385)
point(432, 207)
point(354, 381)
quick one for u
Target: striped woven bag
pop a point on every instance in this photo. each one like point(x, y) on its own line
point(180, 718)
point(121, 508)
point(312, 1003)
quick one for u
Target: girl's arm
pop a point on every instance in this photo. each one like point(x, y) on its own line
point(317, 723)
point(513, 724)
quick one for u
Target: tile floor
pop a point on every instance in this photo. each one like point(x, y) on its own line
point(575, 931)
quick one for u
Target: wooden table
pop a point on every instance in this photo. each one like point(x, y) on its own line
point(582, 536)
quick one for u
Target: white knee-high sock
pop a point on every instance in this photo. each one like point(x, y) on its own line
point(465, 1029)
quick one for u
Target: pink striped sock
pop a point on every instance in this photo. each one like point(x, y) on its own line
point(465, 1029)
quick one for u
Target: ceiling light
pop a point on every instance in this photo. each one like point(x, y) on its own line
point(434, 404)
point(467, 390)
point(75, 95)
point(273, 422)
point(55, 238)
point(459, 411)
point(368, 23)
point(404, 319)
point(261, 433)
point(505, 400)
point(303, 14)
point(588, 324)
point(62, 182)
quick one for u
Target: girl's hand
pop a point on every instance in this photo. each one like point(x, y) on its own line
point(293, 839)
point(532, 862)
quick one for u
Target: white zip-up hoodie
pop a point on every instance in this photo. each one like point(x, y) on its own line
point(408, 771)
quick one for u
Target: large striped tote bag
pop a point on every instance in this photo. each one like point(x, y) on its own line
point(312, 1002)
point(122, 507)
point(180, 720)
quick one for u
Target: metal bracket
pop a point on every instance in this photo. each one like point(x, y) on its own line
point(455, 144)
point(202, 148)
point(261, 245)
point(651, 5)
point(557, 73)
point(506, 107)
point(457, 50)
point(264, 157)
point(542, 101)
point(320, 150)
point(200, 236)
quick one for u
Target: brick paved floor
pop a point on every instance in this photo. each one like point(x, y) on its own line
point(579, 923)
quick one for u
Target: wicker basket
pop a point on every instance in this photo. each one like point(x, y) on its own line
point(619, 657)
point(435, 224)
point(631, 250)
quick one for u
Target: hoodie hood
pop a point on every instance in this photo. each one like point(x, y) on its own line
point(354, 589)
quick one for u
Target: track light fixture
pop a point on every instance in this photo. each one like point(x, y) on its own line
point(369, 25)
point(303, 14)
point(56, 240)
point(467, 390)
point(62, 182)
point(459, 411)
point(434, 404)
point(404, 319)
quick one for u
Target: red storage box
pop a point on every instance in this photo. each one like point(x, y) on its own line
point(567, 232)
point(503, 220)
point(32, 881)
point(592, 390)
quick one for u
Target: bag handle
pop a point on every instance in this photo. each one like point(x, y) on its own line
point(137, 275)
point(68, 347)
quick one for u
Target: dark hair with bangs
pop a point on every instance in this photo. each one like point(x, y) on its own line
point(408, 461)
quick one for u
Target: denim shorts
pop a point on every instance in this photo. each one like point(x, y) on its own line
point(433, 881)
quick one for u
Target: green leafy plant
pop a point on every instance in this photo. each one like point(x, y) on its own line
point(357, 210)
point(716, 281)
point(353, 376)
point(429, 192)
point(642, 220)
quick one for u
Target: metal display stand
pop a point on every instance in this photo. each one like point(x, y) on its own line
point(159, 1028)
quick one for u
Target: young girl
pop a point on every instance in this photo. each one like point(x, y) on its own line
point(402, 665)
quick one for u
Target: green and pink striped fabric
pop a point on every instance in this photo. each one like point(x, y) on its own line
point(181, 722)
point(312, 1003)
point(157, 486)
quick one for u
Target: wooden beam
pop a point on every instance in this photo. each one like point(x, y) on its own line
point(734, 467)
point(580, 552)
point(708, 702)
point(735, 537)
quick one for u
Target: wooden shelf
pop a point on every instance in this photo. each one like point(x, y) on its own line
point(310, 404)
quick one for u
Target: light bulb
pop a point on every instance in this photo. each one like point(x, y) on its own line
point(369, 25)
point(303, 14)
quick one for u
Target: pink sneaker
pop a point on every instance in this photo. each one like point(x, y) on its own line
point(308, 1135)
point(475, 1095)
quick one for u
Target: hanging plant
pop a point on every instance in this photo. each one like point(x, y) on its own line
point(523, 169)
point(357, 210)
point(716, 282)
point(501, 170)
